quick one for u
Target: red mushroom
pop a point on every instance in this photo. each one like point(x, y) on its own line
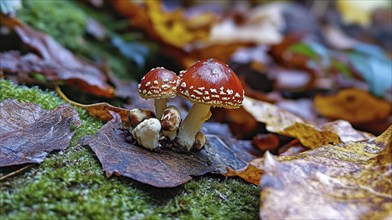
point(159, 84)
point(207, 83)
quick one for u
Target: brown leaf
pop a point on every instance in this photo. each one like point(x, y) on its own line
point(28, 133)
point(100, 111)
point(160, 169)
point(53, 61)
point(349, 181)
point(353, 105)
point(266, 141)
point(309, 134)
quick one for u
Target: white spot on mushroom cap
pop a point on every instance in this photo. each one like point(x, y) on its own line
point(165, 87)
point(198, 92)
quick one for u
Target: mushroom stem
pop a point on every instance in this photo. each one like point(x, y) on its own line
point(192, 123)
point(160, 105)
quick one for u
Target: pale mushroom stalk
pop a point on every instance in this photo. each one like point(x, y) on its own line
point(198, 114)
point(160, 105)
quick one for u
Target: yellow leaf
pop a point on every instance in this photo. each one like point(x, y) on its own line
point(359, 12)
point(309, 134)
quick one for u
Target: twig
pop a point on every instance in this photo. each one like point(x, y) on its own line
point(62, 95)
point(15, 172)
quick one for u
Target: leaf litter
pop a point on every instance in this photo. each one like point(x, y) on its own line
point(52, 60)
point(343, 181)
point(28, 132)
point(309, 134)
point(164, 168)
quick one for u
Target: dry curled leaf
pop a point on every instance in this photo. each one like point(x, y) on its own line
point(100, 111)
point(160, 169)
point(353, 105)
point(346, 181)
point(309, 134)
point(53, 61)
point(28, 133)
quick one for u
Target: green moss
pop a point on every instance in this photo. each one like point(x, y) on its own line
point(61, 19)
point(71, 184)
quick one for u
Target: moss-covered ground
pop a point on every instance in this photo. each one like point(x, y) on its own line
point(72, 185)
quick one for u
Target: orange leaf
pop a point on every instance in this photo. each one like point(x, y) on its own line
point(353, 105)
point(98, 110)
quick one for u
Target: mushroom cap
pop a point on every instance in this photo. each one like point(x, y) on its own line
point(211, 82)
point(158, 83)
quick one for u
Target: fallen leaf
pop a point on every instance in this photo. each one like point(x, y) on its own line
point(267, 19)
point(173, 27)
point(222, 51)
point(345, 181)
point(353, 105)
point(53, 61)
point(266, 141)
point(301, 107)
point(354, 12)
point(309, 134)
point(28, 133)
point(159, 169)
point(292, 148)
point(100, 111)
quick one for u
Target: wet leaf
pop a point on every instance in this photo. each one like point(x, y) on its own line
point(28, 133)
point(53, 61)
point(309, 134)
point(353, 105)
point(346, 181)
point(160, 169)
